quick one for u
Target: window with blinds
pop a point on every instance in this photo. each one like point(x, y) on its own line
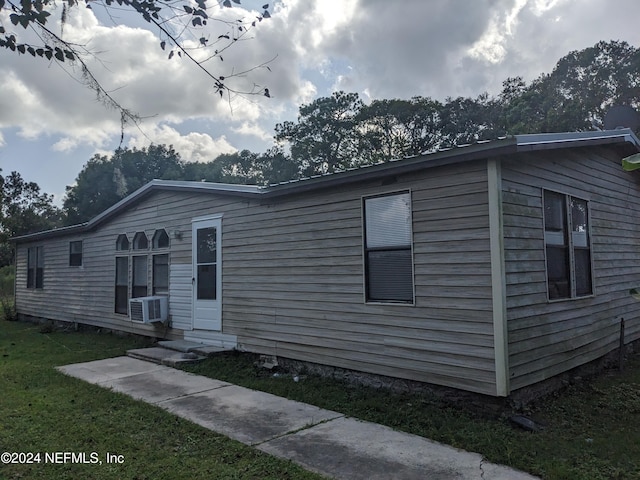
point(387, 248)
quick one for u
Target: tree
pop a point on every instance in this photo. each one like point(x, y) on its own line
point(179, 25)
point(325, 138)
point(396, 128)
point(237, 167)
point(468, 120)
point(277, 167)
point(579, 91)
point(23, 210)
point(104, 180)
point(245, 167)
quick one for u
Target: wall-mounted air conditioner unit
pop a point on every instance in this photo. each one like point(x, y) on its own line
point(148, 309)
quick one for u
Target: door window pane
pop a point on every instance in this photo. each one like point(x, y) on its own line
point(206, 245)
point(206, 282)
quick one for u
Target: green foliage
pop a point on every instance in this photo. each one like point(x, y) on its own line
point(399, 128)
point(340, 132)
point(8, 309)
point(105, 180)
point(576, 95)
point(23, 209)
point(325, 139)
point(7, 280)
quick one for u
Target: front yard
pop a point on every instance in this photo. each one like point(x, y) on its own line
point(74, 426)
point(590, 430)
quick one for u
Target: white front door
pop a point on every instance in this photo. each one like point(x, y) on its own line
point(207, 274)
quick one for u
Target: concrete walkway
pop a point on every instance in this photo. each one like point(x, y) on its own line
point(320, 440)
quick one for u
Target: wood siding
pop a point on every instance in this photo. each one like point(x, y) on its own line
point(294, 287)
point(293, 277)
point(548, 338)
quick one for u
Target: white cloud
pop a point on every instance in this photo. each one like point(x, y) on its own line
point(192, 147)
point(253, 129)
point(491, 45)
point(377, 48)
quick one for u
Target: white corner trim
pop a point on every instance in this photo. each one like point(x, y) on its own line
point(498, 278)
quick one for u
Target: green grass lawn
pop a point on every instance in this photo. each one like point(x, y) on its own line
point(42, 410)
point(592, 429)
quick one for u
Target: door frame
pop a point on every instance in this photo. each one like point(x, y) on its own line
point(197, 223)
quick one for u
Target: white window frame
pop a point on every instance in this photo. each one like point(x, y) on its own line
point(73, 254)
point(366, 250)
point(570, 245)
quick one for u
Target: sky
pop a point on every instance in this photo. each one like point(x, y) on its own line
point(51, 124)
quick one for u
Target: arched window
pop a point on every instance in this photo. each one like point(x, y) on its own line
point(122, 243)
point(160, 239)
point(140, 241)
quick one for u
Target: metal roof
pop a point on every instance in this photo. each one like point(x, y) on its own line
point(448, 156)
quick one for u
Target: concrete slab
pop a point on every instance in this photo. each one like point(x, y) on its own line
point(319, 440)
point(162, 384)
point(188, 346)
point(164, 356)
point(247, 415)
point(180, 345)
point(346, 448)
point(208, 350)
point(100, 371)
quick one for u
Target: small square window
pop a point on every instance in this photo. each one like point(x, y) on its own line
point(160, 239)
point(75, 253)
point(122, 243)
point(140, 241)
